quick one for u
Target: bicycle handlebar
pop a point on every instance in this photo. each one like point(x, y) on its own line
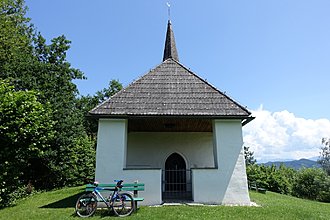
point(119, 183)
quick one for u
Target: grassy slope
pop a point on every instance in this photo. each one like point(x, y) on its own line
point(59, 205)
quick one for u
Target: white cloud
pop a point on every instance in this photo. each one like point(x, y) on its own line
point(282, 135)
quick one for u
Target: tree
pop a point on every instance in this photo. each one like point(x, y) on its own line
point(280, 179)
point(275, 179)
point(15, 35)
point(72, 154)
point(87, 103)
point(249, 157)
point(26, 132)
point(113, 87)
point(325, 155)
point(312, 183)
point(29, 64)
point(58, 146)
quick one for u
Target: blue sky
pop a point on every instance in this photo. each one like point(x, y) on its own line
point(271, 56)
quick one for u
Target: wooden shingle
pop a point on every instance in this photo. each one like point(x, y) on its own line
point(170, 89)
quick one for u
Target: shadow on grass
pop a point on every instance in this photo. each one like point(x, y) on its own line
point(68, 202)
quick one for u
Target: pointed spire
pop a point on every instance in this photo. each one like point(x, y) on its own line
point(170, 47)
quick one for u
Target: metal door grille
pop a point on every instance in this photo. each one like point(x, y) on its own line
point(177, 185)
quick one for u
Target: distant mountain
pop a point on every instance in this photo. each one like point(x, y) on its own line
point(314, 158)
point(295, 164)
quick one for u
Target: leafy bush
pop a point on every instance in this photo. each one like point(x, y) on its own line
point(324, 192)
point(304, 185)
point(312, 183)
point(272, 178)
point(25, 134)
point(257, 176)
point(280, 179)
point(307, 183)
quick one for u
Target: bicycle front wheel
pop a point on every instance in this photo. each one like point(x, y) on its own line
point(86, 205)
point(124, 205)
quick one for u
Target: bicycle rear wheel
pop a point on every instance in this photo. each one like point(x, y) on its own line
point(86, 205)
point(124, 205)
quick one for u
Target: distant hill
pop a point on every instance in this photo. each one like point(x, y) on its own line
point(295, 164)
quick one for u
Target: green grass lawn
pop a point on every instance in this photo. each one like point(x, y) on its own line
point(59, 204)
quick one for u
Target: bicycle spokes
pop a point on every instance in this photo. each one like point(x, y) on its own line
point(86, 205)
point(124, 205)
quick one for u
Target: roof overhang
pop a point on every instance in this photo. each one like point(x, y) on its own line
point(244, 119)
point(247, 120)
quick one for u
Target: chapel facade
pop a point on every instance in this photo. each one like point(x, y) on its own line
point(175, 132)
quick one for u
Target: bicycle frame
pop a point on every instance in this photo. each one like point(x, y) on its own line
point(112, 196)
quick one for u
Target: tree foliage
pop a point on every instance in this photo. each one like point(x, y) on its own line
point(15, 35)
point(325, 155)
point(275, 179)
point(26, 132)
point(312, 183)
point(249, 156)
point(55, 79)
point(39, 80)
point(307, 183)
point(86, 103)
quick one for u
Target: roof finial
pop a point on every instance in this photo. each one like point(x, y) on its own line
point(169, 10)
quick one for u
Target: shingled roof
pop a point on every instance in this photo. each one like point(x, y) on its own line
point(170, 89)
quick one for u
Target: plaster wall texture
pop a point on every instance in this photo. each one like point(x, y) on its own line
point(111, 161)
point(150, 150)
point(228, 183)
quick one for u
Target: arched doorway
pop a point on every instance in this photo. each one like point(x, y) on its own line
point(175, 178)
